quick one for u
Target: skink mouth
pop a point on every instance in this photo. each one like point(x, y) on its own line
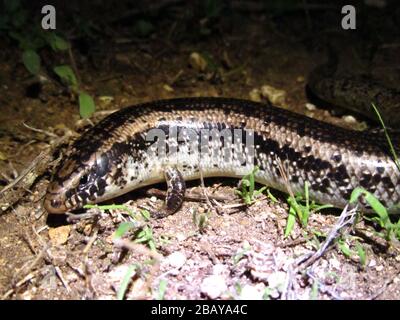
point(53, 204)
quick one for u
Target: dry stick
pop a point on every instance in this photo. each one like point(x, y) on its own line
point(73, 64)
point(60, 276)
point(91, 241)
point(81, 216)
point(38, 166)
point(323, 287)
point(38, 159)
point(203, 187)
point(19, 284)
point(48, 133)
point(346, 218)
point(189, 197)
point(288, 284)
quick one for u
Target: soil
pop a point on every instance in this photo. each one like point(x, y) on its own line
point(234, 252)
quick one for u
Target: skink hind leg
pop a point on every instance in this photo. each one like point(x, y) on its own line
point(175, 193)
point(176, 190)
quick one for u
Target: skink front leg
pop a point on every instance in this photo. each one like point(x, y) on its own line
point(175, 193)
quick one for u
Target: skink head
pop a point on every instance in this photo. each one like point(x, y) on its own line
point(76, 184)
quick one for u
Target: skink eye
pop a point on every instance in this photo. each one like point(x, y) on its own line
point(55, 203)
point(84, 179)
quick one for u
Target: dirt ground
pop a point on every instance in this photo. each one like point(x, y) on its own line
point(237, 252)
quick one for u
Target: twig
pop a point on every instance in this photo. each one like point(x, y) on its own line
point(75, 217)
point(189, 197)
point(90, 242)
point(60, 276)
point(48, 133)
point(346, 218)
point(39, 158)
point(73, 64)
point(203, 187)
point(323, 287)
point(136, 247)
point(19, 284)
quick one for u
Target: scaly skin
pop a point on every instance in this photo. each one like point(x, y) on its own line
point(112, 158)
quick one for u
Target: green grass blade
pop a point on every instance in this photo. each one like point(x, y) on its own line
point(125, 282)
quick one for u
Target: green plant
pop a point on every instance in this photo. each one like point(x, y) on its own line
point(15, 23)
point(162, 288)
point(132, 270)
point(247, 184)
point(200, 220)
point(145, 235)
point(348, 252)
point(241, 253)
point(300, 207)
point(392, 149)
point(391, 230)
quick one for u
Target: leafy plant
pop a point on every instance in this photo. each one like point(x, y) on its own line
point(300, 207)
point(348, 252)
point(241, 253)
point(391, 230)
point(248, 192)
point(146, 236)
point(132, 270)
point(31, 38)
point(200, 220)
point(392, 150)
point(162, 288)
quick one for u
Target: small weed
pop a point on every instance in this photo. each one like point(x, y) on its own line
point(391, 230)
point(16, 24)
point(267, 293)
point(132, 270)
point(300, 207)
point(314, 290)
point(348, 252)
point(200, 220)
point(248, 192)
point(271, 196)
point(162, 288)
point(238, 288)
point(392, 150)
point(241, 253)
point(145, 236)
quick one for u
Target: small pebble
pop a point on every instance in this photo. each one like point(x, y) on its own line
point(372, 263)
point(255, 95)
point(197, 61)
point(176, 259)
point(310, 106)
point(276, 96)
point(59, 235)
point(379, 268)
point(118, 273)
point(168, 88)
point(180, 237)
point(277, 279)
point(219, 269)
point(349, 119)
point(250, 292)
point(213, 286)
point(334, 263)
